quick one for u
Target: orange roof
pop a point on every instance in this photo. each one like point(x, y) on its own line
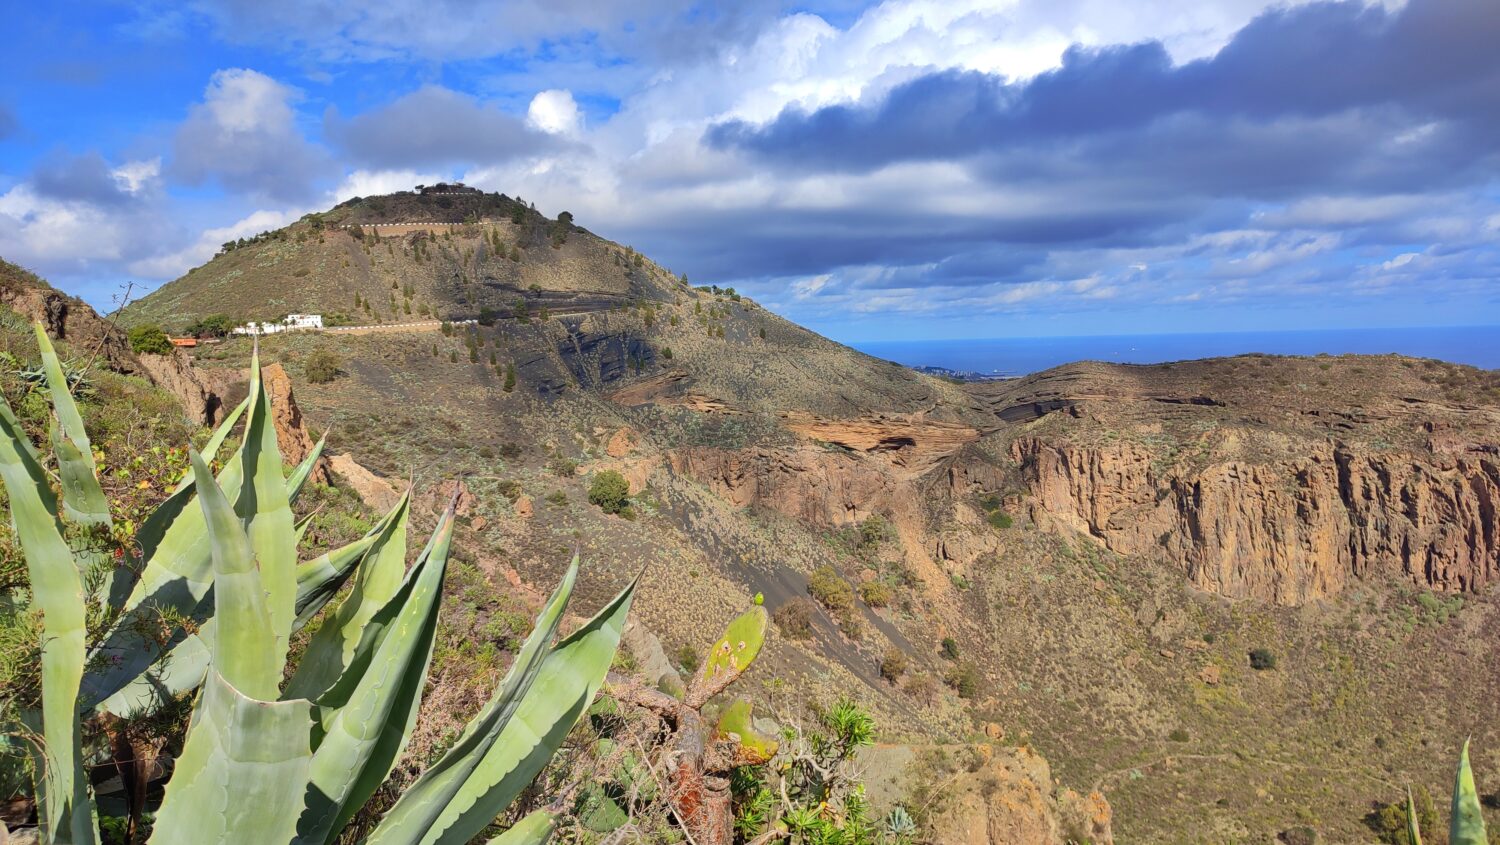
point(184, 341)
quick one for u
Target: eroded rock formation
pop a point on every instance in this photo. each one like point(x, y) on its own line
point(1288, 531)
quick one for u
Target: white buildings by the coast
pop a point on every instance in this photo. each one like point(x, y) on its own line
point(291, 322)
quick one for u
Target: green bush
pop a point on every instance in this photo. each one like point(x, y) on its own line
point(1389, 820)
point(1262, 659)
point(875, 593)
point(1000, 520)
point(831, 590)
point(893, 664)
point(610, 492)
point(950, 648)
point(150, 339)
point(964, 679)
point(321, 367)
point(214, 325)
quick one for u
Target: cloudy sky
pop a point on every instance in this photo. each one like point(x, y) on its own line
point(906, 169)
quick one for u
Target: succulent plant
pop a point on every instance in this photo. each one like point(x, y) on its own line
point(262, 764)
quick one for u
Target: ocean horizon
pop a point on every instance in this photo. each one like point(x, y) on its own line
point(1477, 346)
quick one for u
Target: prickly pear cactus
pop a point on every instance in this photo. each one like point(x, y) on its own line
point(737, 649)
point(754, 748)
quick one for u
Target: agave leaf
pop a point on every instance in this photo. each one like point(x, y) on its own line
point(83, 498)
point(181, 670)
point(57, 590)
point(319, 579)
point(1413, 829)
point(368, 716)
point(559, 695)
point(243, 650)
point(1467, 821)
point(269, 523)
point(298, 478)
point(419, 806)
point(535, 829)
point(375, 582)
point(242, 775)
point(63, 405)
point(175, 581)
point(183, 667)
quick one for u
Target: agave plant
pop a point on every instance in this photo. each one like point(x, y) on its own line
point(262, 763)
point(1466, 820)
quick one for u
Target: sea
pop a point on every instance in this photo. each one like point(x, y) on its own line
point(1478, 346)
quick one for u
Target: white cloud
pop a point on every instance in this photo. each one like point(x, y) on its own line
point(369, 183)
point(137, 177)
point(554, 112)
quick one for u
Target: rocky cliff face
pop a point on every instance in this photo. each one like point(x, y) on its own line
point(1252, 510)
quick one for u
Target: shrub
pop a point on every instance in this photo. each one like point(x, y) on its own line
point(831, 590)
point(873, 531)
point(1262, 659)
point(562, 466)
point(688, 659)
point(964, 679)
point(950, 648)
point(1000, 520)
point(321, 367)
point(150, 339)
point(893, 664)
point(557, 498)
point(510, 377)
point(875, 593)
point(214, 325)
point(1388, 821)
point(794, 618)
point(610, 492)
point(1178, 735)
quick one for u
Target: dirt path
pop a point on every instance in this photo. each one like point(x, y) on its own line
point(424, 326)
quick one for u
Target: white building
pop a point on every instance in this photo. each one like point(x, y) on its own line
point(292, 322)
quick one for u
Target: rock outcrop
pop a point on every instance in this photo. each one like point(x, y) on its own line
point(371, 488)
point(291, 431)
point(1010, 798)
point(175, 374)
point(1287, 531)
point(65, 318)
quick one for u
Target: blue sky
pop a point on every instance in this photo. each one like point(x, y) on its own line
point(903, 170)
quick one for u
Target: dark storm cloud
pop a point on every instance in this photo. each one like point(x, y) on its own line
point(83, 178)
point(1330, 91)
point(434, 126)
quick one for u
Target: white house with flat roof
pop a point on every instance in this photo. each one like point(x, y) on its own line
point(291, 322)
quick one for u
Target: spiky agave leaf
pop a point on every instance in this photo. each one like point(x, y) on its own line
point(369, 713)
point(266, 511)
point(243, 623)
point(516, 732)
point(175, 581)
point(242, 776)
point(378, 578)
point(1413, 829)
point(1467, 822)
point(184, 667)
point(535, 829)
point(56, 590)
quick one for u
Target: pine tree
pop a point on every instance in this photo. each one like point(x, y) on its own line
point(510, 377)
